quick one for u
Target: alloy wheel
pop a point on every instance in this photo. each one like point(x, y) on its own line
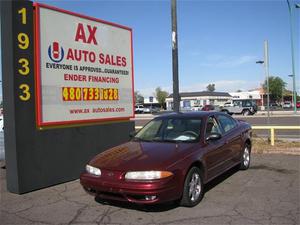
point(195, 187)
point(246, 157)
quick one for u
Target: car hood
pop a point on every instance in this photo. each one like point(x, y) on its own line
point(134, 156)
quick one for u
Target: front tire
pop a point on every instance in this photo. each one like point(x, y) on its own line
point(246, 112)
point(193, 189)
point(245, 162)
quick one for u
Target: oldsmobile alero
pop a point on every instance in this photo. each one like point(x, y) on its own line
point(171, 158)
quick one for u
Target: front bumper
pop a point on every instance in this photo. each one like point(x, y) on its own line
point(136, 192)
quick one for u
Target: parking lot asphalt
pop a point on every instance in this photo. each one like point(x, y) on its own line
point(267, 193)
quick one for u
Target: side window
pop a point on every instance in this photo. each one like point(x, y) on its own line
point(247, 104)
point(212, 126)
point(237, 103)
point(227, 123)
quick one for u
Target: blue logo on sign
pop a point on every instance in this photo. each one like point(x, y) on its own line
point(55, 52)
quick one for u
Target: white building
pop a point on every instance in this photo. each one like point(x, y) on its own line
point(199, 99)
point(150, 100)
point(243, 95)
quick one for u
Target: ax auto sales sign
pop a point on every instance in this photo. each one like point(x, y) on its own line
point(84, 68)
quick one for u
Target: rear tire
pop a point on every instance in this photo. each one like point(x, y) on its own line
point(246, 157)
point(246, 112)
point(193, 189)
point(225, 111)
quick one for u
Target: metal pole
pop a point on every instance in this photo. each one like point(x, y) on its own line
point(282, 98)
point(266, 64)
point(176, 99)
point(262, 101)
point(293, 58)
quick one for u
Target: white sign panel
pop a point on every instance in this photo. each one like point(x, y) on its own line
point(84, 69)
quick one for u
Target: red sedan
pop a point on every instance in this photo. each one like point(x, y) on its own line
point(208, 108)
point(171, 158)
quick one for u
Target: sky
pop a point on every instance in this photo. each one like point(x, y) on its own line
point(218, 41)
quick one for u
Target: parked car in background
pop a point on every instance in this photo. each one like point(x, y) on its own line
point(211, 108)
point(228, 104)
point(171, 158)
point(287, 105)
point(208, 108)
point(139, 109)
point(274, 105)
point(197, 108)
point(1, 124)
point(298, 104)
point(151, 109)
point(147, 110)
point(245, 107)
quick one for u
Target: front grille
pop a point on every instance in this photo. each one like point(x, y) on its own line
point(137, 197)
point(111, 195)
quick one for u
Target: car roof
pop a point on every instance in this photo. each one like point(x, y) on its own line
point(200, 114)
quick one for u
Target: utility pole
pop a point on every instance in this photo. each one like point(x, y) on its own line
point(293, 54)
point(265, 62)
point(176, 98)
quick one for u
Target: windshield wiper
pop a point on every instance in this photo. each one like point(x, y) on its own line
point(157, 139)
point(136, 139)
point(141, 139)
point(172, 141)
point(160, 140)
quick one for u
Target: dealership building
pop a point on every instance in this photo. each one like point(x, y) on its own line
point(198, 99)
point(256, 95)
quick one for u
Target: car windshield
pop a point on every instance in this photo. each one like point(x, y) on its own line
point(170, 130)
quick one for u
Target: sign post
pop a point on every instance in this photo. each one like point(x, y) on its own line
point(18, 85)
point(67, 92)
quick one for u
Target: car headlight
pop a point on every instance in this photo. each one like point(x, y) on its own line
point(147, 175)
point(93, 170)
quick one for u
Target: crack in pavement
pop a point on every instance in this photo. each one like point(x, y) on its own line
point(103, 216)
point(27, 219)
point(77, 215)
point(262, 195)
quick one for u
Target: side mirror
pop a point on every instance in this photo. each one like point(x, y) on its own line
point(213, 137)
point(132, 133)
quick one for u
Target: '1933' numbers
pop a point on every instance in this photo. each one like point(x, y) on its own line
point(25, 92)
point(24, 69)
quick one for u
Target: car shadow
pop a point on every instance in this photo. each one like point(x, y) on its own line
point(213, 183)
point(163, 207)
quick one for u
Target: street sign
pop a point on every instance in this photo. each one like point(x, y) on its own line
point(150, 99)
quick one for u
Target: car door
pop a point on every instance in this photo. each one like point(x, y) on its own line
point(217, 155)
point(232, 135)
point(237, 107)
